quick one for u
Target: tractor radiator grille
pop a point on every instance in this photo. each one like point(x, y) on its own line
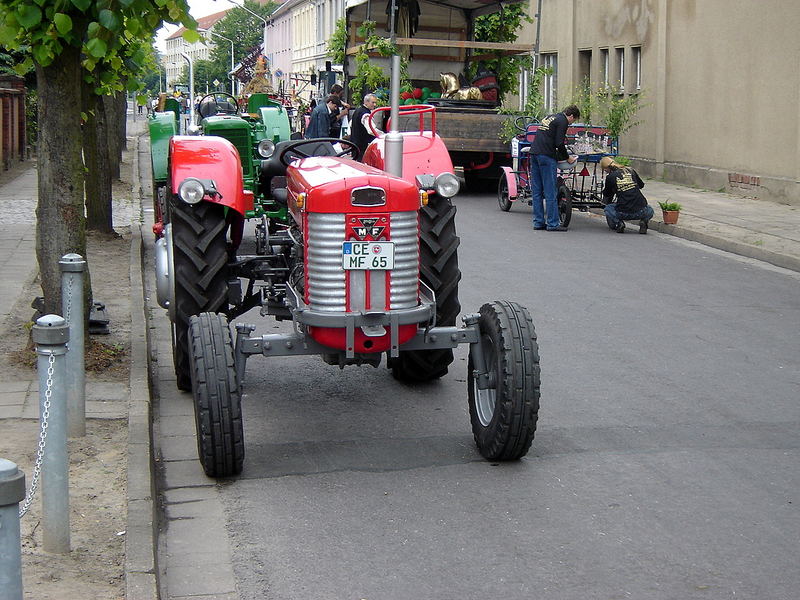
point(326, 285)
point(326, 279)
point(405, 276)
point(241, 139)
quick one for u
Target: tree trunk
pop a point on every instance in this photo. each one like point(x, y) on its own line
point(60, 224)
point(116, 135)
point(95, 154)
point(122, 114)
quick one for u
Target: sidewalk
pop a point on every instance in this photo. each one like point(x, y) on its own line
point(757, 229)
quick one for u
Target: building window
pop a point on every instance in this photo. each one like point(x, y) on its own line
point(621, 69)
point(584, 67)
point(550, 82)
point(604, 67)
point(636, 53)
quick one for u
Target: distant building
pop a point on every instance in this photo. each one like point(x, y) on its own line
point(719, 82)
point(174, 63)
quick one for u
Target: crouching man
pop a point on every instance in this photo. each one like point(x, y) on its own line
point(625, 184)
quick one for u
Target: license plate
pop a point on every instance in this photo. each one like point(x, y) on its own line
point(368, 256)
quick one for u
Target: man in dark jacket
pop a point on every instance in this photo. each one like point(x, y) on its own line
point(549, 139)
point(625, 184)
point(319, 125)
point(360, 134)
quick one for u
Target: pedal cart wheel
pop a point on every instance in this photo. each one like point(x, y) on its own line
point(564, 205)
point(217, 399)
point(503, 198)
point(504, 414)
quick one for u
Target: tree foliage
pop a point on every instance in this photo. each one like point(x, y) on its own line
point(246, 33)
point(72, 43)
point(502, 26)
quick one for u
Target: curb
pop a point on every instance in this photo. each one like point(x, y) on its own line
point(140, 554)
point(728, 245)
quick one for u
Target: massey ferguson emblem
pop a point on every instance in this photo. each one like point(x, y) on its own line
point(368, 228)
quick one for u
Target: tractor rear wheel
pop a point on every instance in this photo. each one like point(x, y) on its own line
point(504, 415)
point(200, 260)
point(439, 270)
point(217, 399)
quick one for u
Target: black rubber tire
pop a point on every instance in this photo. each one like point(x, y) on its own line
point(439, 270)
point(504, 416)
point(503, 199)
point(217, 399)
point(200, 258)
point(564, 205)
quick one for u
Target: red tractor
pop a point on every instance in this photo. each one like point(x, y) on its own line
point(367, 267)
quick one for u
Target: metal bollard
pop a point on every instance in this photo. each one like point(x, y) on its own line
point(72, 269)
point(12, 492)
point(51, 334)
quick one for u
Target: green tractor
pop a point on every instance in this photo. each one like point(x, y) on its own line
point(253, 131)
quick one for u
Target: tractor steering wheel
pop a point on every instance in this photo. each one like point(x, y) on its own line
point(218, 103)
point(317, 147)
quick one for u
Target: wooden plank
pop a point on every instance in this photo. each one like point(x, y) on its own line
point(462, 44)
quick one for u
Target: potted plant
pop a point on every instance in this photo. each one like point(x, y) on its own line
point(670, 210)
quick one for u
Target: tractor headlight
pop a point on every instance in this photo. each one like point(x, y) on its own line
point(191, 190)
point(446, 185)
point(266, 148)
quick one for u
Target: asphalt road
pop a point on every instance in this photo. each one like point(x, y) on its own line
point(665, 465)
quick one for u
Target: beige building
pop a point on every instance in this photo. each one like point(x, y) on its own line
point(173, 61)
point(720, 81)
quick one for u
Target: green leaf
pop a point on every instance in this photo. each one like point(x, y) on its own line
point(81, 5)
point(7, 35)
point(42, 55)
point(96, 47)
point(29, 16)
point(108, 20)
point(93, 29)
point(191, 36)
point(63, 23)
point(25, 66)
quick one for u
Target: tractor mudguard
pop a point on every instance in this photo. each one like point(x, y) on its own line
point(162, 127)
point(210, 157)
point(511, 180)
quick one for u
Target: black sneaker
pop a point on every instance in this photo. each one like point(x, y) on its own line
point(643, 226)
point(621, 227)
point(559, 228)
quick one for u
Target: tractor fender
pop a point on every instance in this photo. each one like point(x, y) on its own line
point(511, 180)
point(162, 127)
point(210, 157)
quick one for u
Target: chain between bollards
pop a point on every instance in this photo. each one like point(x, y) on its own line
point(73, 267)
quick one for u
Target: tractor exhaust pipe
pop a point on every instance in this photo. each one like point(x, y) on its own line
point(393, 142)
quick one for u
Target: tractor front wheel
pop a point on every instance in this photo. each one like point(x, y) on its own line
point(438, 246)
point(200, 260)
point(504, 414)
point(217, 399)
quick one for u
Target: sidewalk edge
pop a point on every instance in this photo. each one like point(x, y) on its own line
point(728, 245)
point(140, 570)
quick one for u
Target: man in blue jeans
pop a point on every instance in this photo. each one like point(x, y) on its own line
point(549, 138)
point(624, 185)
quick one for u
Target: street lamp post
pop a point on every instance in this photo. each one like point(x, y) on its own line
point(257, 16)
point(233, 65)
point(191, 86)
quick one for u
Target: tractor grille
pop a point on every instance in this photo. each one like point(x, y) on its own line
point(241, 139)
point(326, 283)
point(405, 276)
point(326, 286)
